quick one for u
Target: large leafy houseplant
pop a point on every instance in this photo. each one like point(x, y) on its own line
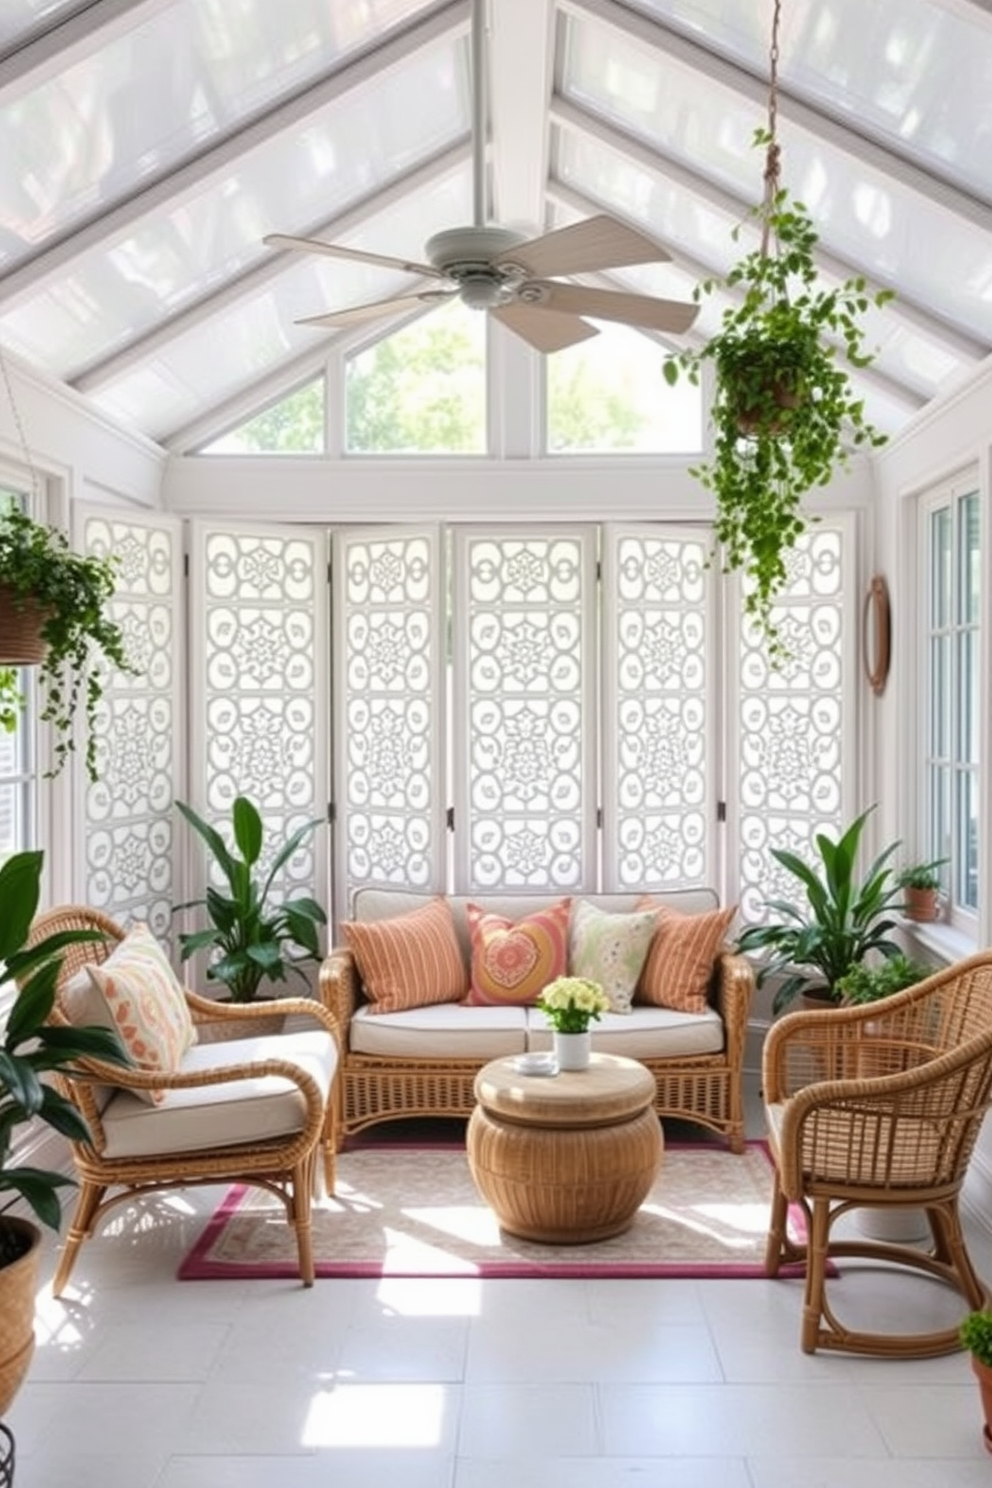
point(785, 416)
point(249, 938)
point(813, 943)
point(71, 591)
point(31, 1048)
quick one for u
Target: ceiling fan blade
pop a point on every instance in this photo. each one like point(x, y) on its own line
point(357, 255)
point(643, 311)
point(545, 330)
point(599, 242)
point(376, 309)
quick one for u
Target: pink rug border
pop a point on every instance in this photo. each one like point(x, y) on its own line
point(197, 1266)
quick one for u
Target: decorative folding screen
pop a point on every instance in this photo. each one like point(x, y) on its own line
point(792, 731)
point(128, 853)
point(525, 717)
point(390, 608)
point(659, 713)
point(259, 686)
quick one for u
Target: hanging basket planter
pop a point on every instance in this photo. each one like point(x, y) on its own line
point(21, 621)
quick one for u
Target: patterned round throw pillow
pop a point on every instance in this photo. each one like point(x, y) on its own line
point(514, 960)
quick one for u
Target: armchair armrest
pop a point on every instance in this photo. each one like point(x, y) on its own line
point(209, 1010)
point(733, 991)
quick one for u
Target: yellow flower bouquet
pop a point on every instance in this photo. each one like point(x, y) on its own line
point(571, 1002)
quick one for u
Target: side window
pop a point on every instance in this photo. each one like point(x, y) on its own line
point(950, 775)
point(18, 768)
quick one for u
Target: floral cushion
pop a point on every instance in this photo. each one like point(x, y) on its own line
point(679, 966)
point(513, 961)
point(137, 993)
point(411, 960)
point(610, 949)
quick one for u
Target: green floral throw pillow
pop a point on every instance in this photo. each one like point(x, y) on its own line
point(609, 949)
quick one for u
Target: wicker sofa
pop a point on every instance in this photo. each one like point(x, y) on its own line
point(422, 1062)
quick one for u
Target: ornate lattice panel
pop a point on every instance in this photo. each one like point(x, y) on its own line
point(129, 839)
point(795, 725)
point(390, 618)
point(658, 714)
point(525, 724)
point(259, 673)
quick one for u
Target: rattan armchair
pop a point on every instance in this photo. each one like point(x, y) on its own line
point(880, 1105)
point(227, 1099)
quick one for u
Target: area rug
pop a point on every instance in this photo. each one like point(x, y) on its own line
point(414, 1211)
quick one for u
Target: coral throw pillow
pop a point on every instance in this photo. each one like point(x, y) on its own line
point(137, 993)
point(411, 960)
point(679, 967)
point(513, 961)
point(610, 949)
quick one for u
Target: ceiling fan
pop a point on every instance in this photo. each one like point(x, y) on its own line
point(513, 278)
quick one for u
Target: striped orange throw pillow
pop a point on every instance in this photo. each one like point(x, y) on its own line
point(411, 960)
point(679, 967)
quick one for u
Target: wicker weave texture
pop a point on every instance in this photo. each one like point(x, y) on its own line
point(21, 642)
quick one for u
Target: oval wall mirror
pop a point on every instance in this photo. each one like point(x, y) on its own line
point(875, 634)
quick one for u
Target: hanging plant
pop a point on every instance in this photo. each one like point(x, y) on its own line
point(69, 592)
point(784, 414)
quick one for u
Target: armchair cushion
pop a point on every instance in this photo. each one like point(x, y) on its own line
point(136, 992)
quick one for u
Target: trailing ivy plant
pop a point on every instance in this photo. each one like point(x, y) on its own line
point(784, 413)
point(72, 590)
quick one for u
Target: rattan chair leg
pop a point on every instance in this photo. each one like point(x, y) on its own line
point(816, 1265)
point(80, 1228)
point(301, 1213)
point(777, 1230)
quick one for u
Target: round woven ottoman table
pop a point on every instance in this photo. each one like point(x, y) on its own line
point(568, 1158)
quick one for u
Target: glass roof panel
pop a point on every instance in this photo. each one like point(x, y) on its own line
point(171, 257)
point(917, 75)
point(873, 221)
point(155, 90)
point(240, 344)
point(22, 19)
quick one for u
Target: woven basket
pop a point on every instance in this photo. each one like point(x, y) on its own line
point(21, 642)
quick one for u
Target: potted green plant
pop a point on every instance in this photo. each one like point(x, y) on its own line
point(249, 938)
point(814, 942)
point(30, 1050)
point(784, 414)
point(66, 593)
point(869, 982)
point(921, 885)
point(570, 1004)
point(976, 1336)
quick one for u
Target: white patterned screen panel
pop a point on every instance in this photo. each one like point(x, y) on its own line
point(659, 714)
point(796, 723)
point(129, 839)
point(259, 668)
point(524, 729)
point(390, 667)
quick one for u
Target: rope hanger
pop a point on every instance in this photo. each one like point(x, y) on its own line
point(773, 156)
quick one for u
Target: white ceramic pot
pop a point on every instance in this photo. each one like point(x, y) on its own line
point(572, 1050)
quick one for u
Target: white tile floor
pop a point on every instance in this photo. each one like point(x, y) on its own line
point(145, 1382)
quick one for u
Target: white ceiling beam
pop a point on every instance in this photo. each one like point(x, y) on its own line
point(859, 144)
point(271, 266)
point(569, 116)
point(521, 47)
point(442, 24)
point(54, 50)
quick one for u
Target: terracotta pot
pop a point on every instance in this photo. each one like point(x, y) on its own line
point(920, 905)
point(18, 1285)
point(21, 642)
point(757, 421)
point(983, 1373)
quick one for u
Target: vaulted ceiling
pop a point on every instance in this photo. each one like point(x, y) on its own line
point(148, 146)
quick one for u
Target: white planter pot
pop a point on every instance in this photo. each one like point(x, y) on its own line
point(572, 1050)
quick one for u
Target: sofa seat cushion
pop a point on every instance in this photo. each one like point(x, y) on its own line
point(443, 1031)
point(643, 1033)
point(222, 1115)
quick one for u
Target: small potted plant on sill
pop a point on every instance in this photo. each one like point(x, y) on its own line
point(251, 939)
point(63, 595)
point(29, 1050)
point(976, 1337)
point(844, 919)
point(570, 1004)
point(784, 414)
point(920, 883)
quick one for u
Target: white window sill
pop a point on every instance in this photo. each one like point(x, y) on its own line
point(939, 939)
